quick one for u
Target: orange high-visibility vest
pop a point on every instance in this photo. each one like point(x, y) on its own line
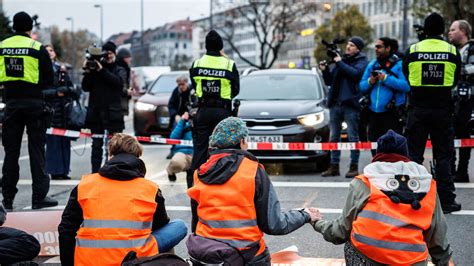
point(227, 211)
point(391, 233)
point(118, 217)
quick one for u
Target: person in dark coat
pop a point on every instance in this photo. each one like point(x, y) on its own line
point(58, 148)
point(104, 112)
point(15, 245)
point(124, 59)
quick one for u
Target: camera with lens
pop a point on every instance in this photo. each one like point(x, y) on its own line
point(420, 31)
point(375, 73)
point(93, 54)
point(332, 49)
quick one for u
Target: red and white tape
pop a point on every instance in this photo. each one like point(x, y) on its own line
point(281, 146)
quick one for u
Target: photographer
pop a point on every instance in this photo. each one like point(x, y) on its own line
point(104, 80)
point(343, 100)
point(385, 86)
point(459, 34)
point(58, 148)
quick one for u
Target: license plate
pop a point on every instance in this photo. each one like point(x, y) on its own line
point(265, 138)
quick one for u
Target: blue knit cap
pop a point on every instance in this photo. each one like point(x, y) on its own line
point(228, 133)
point(391, 142)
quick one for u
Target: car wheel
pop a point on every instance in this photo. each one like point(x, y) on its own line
point(322, 163)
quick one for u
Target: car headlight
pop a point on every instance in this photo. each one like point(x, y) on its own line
point(145, 106)
point(311, 119)
point(2, 106)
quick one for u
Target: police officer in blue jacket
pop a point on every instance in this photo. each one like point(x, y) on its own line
point(386, 86)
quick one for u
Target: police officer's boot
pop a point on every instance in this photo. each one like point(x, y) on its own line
point(8, 204)
point(462, 175)
point(44, 203)
point(353, 170)
point(333, 170)
point(450, 207)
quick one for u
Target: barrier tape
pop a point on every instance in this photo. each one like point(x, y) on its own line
point(280, 146)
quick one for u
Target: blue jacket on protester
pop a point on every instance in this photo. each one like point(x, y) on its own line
point(344, 80)
point(382, 92)
point(182, 131)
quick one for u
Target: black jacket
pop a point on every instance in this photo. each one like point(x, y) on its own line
point(177, 105)
point(122, 167)
point(17, 246)
point(59, 104)
point(344, 80)
point(105, 109)
point(23, 94)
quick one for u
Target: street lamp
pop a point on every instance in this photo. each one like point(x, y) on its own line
point(101, 22)
point(74, 52)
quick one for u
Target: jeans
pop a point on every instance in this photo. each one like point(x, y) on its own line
point(170, 235)
point(58, 155)
point(338, 114)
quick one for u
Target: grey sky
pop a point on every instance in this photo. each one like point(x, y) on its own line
point(119, 15)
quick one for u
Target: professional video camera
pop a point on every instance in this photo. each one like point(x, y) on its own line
point(332, 49)
point(93, 54)
point(420, 31)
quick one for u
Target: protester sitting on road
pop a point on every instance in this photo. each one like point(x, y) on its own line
point(392, 214)
point(15, 245)
point(183, 155)
point(235, 200)
point(116, 211)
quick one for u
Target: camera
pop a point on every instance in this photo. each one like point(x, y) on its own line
point(93, 54)
point(375, 73)
point(420, 31)
point(332, 49)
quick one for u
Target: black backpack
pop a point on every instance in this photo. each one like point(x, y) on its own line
point(157, 260)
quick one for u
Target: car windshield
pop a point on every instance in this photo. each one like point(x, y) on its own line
point(279, 87)
point(164, 84)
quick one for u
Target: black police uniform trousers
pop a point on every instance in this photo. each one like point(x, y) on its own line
point(35, 120)
point(437, 123)
point(462, 130)
point(204, 123)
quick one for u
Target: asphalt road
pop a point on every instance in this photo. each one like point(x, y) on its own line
point(296, 184)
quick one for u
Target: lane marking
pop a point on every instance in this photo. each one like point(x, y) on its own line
point(187, 208)
point(77, 147)
point(163, 173)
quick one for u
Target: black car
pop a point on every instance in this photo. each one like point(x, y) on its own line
point(285, 105)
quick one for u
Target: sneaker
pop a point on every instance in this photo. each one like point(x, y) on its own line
point(172, 177)
point(44, 203)
point(7, 204)
point(333, 170)
point(450, 207)
point(353, 170)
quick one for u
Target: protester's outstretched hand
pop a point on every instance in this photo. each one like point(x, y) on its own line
point(314, 214)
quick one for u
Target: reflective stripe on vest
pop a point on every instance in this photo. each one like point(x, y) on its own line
point(211, 74)
point(432, 64)
point(118, 217)
point(227, 211)
point(391, 233)
point(19, 59)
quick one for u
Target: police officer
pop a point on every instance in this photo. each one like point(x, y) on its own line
point(25, 70)
point(432, 68)
point(216, 81)
point(459, 34)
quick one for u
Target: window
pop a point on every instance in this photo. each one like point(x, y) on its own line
point(176, 45)
point(184, 45)
point(394, 28)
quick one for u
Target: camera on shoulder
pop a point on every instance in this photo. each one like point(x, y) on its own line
point(332, 49)
point(93, 54)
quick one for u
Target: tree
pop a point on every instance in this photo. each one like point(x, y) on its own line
point(271, 23)
point(5, 28)
point(450, 9)
point(346, 23)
